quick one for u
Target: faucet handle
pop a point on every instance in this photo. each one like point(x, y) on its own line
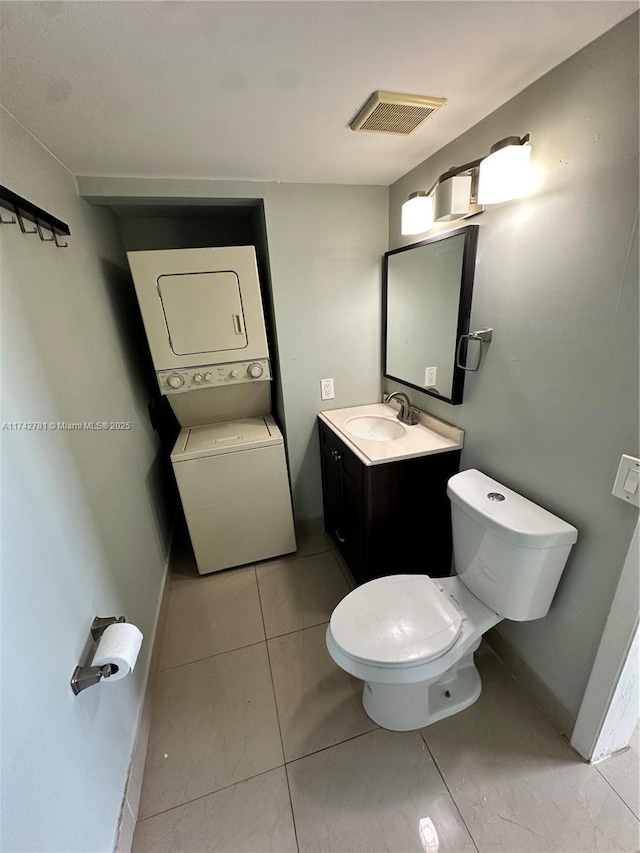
point(414, 416)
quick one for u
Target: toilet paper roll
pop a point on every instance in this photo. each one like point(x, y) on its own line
point(119, 645)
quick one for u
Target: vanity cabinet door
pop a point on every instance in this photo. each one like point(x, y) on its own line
point(387, 519)
point(342, 489)
point(351, 531)
point(331, 487)
point(409, 516)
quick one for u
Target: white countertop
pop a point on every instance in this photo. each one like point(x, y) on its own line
point(427, 437)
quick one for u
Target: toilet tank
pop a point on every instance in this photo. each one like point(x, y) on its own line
point(508, 551)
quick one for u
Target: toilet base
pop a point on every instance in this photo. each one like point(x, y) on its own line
point(405, 707)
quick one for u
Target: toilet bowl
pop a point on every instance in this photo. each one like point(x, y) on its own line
point(411, 638)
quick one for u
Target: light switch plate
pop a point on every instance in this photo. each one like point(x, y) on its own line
point(627, 475)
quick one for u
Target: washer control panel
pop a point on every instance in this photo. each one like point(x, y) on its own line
point(213, 376)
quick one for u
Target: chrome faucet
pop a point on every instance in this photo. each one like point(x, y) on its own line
point(407, 414)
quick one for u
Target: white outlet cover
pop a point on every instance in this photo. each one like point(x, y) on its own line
point(628, 470)
point(326, 389)
point(430, 374)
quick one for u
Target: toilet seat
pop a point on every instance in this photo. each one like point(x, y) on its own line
point(396, 621)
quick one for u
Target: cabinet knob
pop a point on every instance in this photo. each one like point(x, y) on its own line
point(341, 539)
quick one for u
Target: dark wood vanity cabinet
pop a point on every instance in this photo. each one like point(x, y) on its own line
point(390, 518)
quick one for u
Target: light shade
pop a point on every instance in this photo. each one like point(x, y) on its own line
point(506, 173)
point(417, 214)
point(453, 198)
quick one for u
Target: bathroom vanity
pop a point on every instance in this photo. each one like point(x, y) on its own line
point(384, 490)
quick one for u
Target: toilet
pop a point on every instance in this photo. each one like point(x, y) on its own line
point(411, 638)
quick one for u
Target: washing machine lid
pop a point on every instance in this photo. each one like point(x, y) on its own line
point(401, 619)
point(227, 437)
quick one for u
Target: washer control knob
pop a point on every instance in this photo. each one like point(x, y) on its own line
point(175, 381)
point(208, 377)
point(197, 378)
point(255, 370)
point(233, 374)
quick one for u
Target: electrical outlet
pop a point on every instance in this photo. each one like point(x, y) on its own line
point(326, 389)
point(430, 377)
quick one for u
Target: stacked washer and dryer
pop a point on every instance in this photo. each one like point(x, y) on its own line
point(203, 315)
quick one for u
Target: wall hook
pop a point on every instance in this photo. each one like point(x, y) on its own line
point(484, 336)
point(41, 233)
point(21, 224)
point(24, 211)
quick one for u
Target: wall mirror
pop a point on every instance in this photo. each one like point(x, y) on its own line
point(427, 290)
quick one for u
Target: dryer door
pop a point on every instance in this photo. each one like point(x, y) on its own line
point(200, 306)
point(203, 312)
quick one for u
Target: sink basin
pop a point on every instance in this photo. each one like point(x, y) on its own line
point(375, 435)
point(374, 428)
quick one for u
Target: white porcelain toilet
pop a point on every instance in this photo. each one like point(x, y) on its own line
point(411, 639)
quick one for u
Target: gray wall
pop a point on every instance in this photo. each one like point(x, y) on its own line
point(84, 530)
point(325, 250)
point(555, 403)
point(326, 245)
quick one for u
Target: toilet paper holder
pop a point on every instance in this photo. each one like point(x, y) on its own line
point(84, 675)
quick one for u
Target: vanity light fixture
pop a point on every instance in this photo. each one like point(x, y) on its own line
point(417, 213)
point(506, 173)
point(503, 175)
point(452, 198)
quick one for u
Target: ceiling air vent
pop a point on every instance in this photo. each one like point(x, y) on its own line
point(395, 112)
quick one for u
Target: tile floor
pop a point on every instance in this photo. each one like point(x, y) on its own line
point(259, 742)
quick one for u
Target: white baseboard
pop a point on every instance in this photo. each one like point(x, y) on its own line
point(133, 787)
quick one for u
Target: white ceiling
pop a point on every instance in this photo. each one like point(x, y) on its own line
point(266, 90)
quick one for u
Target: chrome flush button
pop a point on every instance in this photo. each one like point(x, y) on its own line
point(495, 496)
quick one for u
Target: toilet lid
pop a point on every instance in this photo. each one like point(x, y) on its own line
point(401, 619)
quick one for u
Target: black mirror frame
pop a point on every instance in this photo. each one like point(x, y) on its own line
point(464, 307)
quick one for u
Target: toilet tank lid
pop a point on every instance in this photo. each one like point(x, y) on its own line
point(511, 516)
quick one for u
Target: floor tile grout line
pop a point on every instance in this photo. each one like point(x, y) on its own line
point(255, 576)
point(214, 655)
point(293, 814)
point(275, 704)
point(275, 562)
point(246, 566)
point(180, 578)
point(331, 551)
point(617, 793)
point(444, 781)
point(298, 630)
point(259, 642)
point(331, 746)
point(235, 648)
point(323, 748)
point(210, 793)
point(226, 787)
